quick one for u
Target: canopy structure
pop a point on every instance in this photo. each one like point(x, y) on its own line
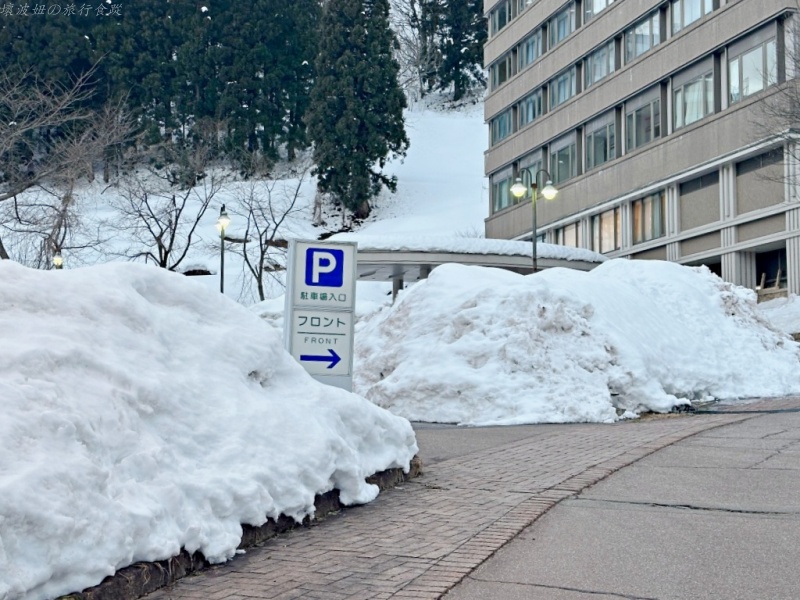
point(383, 258)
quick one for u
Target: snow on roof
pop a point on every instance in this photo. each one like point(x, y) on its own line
point(464, 245)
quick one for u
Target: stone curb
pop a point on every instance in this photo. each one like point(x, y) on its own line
point(144, 578)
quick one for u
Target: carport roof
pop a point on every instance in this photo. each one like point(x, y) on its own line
point(384, 258)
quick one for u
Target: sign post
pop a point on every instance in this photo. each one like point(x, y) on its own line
point(320, 300)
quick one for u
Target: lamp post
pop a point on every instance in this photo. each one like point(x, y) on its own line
point(58, 260)
point(519, 189)
point(222, 224)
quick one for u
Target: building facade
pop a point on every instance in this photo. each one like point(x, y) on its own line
point(649, 117)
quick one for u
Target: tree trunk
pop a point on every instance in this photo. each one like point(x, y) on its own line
point(316, 218)
point(363, 210)
point(3, 254)
point(458, 90)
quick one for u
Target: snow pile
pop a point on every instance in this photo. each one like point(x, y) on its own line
point(481, 346)
point(143, 413)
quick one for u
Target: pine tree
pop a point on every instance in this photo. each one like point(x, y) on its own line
point(55, 50)
point(299, 51)
point(139, 52)
point(356, 115)
point(463, 34)
point(260, 55)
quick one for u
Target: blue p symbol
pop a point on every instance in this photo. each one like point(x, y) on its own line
point(324, 267)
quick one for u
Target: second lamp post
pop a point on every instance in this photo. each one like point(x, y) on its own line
point(519, 189)
point(222, 224)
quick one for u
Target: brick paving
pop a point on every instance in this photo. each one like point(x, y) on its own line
point(420, 539)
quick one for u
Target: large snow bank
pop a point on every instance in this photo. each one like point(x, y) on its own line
point(142, 413)
point(476, 345)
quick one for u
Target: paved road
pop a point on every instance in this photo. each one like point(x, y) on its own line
point(715, 516)
point(484, 488)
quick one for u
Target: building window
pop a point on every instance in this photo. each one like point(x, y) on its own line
point(530, 108)
point(562, 88)
point(606, 231)
point(599, 64)
point(600, 146)
point(570, 235)
point(649, 218)
point(643, 125)
point(501, 126)
point(501, 71)
point(592, 7)
point(502, 15)
point(563, 164)
point(693, 100)
point(642, 36)
point(699, 183)
point(752, 71)
point(522, 5)
point(561, 25)
point(686, 12)
point(530, 49)
point(501, 194)
point(750, 165)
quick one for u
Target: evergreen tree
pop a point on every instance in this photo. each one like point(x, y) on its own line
point(260, 57)
point(299, 52)
point(208, 73)
point(139, 56)
point(463, 34)
point(356, 115)
point(53, 50)
point(197, 86)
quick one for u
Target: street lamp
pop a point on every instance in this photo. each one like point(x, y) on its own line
point(222, 224)
point(519, 189)
point(58, 260)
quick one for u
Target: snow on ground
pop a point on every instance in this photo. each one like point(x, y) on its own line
point(143, 413)
point(784, 313)
point(441, 188)
point(481, 346)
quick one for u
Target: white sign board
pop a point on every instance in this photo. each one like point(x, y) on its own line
point(322, 341)
point(325, 275)
point(320, 299)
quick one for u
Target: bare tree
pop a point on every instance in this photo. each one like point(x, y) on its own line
point(779, 111)
point(34, 114)
point(266, 207)
point(48, 141)
point(38, 227)
point(416, 53)
point(158, 219)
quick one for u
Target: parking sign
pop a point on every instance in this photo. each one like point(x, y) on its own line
point(320, 299)
point(324, 275)
point(324, 267)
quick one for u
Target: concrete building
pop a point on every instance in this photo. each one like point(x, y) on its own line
point(645, 113)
